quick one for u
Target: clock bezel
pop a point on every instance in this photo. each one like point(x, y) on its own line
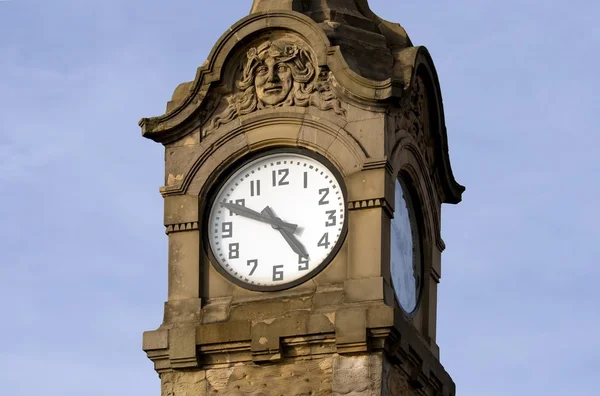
point(413, 206)
point(223, 176)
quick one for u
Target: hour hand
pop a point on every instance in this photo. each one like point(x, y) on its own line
point(289, 237)
point(254, 215)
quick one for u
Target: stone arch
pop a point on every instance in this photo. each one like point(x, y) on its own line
point(269, 129)
point(407, 159)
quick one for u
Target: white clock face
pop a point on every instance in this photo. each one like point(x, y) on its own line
point(405, 258)
point(277, 221)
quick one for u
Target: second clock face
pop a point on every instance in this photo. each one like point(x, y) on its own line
point(277, 220)
point(405, 258)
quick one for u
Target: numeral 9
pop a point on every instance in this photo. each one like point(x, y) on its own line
point(227, 229)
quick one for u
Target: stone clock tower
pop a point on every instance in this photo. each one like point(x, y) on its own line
point(306, 165)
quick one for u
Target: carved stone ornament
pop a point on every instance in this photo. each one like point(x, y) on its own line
point(276, 74)
point(414, 119)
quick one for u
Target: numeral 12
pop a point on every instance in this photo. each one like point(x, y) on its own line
point(284, 174)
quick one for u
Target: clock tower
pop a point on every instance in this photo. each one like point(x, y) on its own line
point(305, 168)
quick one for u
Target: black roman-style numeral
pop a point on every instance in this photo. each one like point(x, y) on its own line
point(283, 173)
point(324, 192)
point(254, 188)
point(234, 250)
point(254, 264)
point(331, 220)
point(324, 241)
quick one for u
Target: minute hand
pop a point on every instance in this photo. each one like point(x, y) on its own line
point(291, 240)
point(254, 215)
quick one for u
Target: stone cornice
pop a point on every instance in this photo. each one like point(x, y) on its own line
point(423, 67)
point(313, 336)
point(166, 128)
point(376, 163)
point(189, 226)
point(371, 203)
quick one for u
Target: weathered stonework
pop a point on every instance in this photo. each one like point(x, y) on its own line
point(332, 376)
point(413, 119)
point(331, 77)
point(336, 375)
point(276, 74)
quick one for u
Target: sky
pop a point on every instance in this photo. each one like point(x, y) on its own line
point(84, 268)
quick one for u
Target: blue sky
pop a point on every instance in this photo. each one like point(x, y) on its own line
point(83, 269)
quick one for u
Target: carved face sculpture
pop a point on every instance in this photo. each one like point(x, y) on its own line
point(275, 74)
point(273, 81)
point(275, 70)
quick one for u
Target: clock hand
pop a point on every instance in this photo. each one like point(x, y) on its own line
point(294, 243)
point(289, 237)
point(251, 214)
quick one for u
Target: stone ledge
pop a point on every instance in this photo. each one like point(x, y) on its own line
point(191, 226)
point(370, 204)
point(301, 335)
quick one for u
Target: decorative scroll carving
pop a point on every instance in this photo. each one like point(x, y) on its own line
point(276, 74)
point(211, 106)
point(414, 119)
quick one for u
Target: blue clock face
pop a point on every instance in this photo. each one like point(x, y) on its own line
point(405, 258)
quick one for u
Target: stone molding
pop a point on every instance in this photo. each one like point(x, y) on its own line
point(423, 104)
point(301, 336)
point(190, 226)
point(307, 135)
point(369, 204)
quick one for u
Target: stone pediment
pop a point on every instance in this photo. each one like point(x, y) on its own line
point(191, 98)
point(319, 76)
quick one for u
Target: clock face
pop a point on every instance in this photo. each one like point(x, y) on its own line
point(405, 257)
point(277, 220)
